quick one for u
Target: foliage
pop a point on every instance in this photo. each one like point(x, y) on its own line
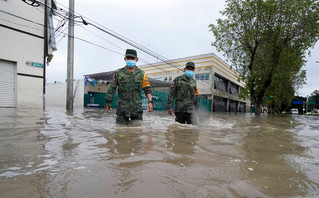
point(266, 42)
point(315, 97)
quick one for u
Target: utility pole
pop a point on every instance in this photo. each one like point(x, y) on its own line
point(45, 48)
point(70, 61)
point(307, 105)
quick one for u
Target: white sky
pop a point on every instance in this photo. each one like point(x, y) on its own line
point(172, 28)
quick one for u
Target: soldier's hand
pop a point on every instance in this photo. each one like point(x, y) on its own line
point(150, 107)
point(170, 111)
point(108, 108)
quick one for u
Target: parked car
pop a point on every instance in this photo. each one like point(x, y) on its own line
point(294, 111)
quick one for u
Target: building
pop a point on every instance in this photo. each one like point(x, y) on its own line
point(96, 86)
point(217, 83)
point(26, 45)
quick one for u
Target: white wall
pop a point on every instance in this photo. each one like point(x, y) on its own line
point(56, 94)
point(20, 47)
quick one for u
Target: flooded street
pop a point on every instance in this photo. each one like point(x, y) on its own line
point(85, 154)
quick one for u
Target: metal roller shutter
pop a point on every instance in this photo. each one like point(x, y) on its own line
point(7, 84)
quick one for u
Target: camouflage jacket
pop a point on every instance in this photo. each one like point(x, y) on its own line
point(184, 90)
point(129, 86)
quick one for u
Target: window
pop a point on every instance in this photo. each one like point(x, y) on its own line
point(220, 83)
point(233, 89)
point(203, 76)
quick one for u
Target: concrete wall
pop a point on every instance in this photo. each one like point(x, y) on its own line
point(21, 42)
point(56, 94)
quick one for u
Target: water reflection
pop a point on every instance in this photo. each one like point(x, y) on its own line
point(127, 147)
point(22, 153)
point(269, 146)
point(181, 140)
point(85, 154)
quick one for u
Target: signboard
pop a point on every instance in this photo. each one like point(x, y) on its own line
point(312, 102)
point(34, 64)
point(297, 102)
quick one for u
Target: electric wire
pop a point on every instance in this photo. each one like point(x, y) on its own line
point(134, 44)
point(142, 60)
point(128, 41)
point(21, 24)
point(101, 37)
point(3, 11)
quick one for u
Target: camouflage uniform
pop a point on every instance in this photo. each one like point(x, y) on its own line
point(130, 85)
point(184, 90)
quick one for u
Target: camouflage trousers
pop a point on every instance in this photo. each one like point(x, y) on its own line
point(121, 119)
point(183, 118)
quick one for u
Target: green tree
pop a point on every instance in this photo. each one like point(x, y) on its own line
point(315, 97)
point(266, 42)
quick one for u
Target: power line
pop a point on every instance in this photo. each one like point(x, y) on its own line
point(102, 38)
point(127, 41)
point(122, 49)
point(20, 24)
point(20, 17)
point(134, 44)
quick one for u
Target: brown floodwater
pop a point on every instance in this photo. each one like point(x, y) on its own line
point(85, 154)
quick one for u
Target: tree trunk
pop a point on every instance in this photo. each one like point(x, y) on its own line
point(258, 109)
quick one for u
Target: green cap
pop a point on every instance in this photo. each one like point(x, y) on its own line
point(190, 64)
point(131, 53)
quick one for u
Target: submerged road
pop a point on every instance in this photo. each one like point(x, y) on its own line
point(85, 154)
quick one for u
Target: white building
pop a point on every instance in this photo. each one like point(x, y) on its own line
point(22, 52)
point(216, 81)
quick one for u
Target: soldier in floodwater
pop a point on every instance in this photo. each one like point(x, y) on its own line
point(129, 80)
point(184, 90)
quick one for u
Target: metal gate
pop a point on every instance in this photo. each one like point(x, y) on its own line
point(7, 84)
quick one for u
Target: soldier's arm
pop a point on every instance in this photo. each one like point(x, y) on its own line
point(172, 95)
point(146, 86)
point(148, 92)
point(196, 103)
point(111, 91)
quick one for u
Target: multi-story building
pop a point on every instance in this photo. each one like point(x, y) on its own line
point(216, 81)
point(25, 45)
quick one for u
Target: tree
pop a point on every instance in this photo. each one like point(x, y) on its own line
point(266, 42)
point(315, 97)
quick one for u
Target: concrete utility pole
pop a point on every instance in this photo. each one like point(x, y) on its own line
point(307, 105)
point(45, 48)
point(70, 62)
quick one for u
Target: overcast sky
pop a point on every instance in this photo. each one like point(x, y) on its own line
point(172, 28)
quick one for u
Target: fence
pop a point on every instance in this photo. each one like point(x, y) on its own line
point(159, 101)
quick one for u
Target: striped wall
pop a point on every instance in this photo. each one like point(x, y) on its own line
point(202, 62)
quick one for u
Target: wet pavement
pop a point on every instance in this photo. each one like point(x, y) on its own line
point(85, 154)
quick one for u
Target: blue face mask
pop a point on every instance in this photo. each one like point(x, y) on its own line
point(130, 63)
point(189, 73)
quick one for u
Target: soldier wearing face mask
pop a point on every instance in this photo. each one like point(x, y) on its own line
point(129, 81)
point(184, 90)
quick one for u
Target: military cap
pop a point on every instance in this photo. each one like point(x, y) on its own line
point(131, 53)
point(190, 64)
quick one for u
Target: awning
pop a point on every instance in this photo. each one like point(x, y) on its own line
point(108, 76)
